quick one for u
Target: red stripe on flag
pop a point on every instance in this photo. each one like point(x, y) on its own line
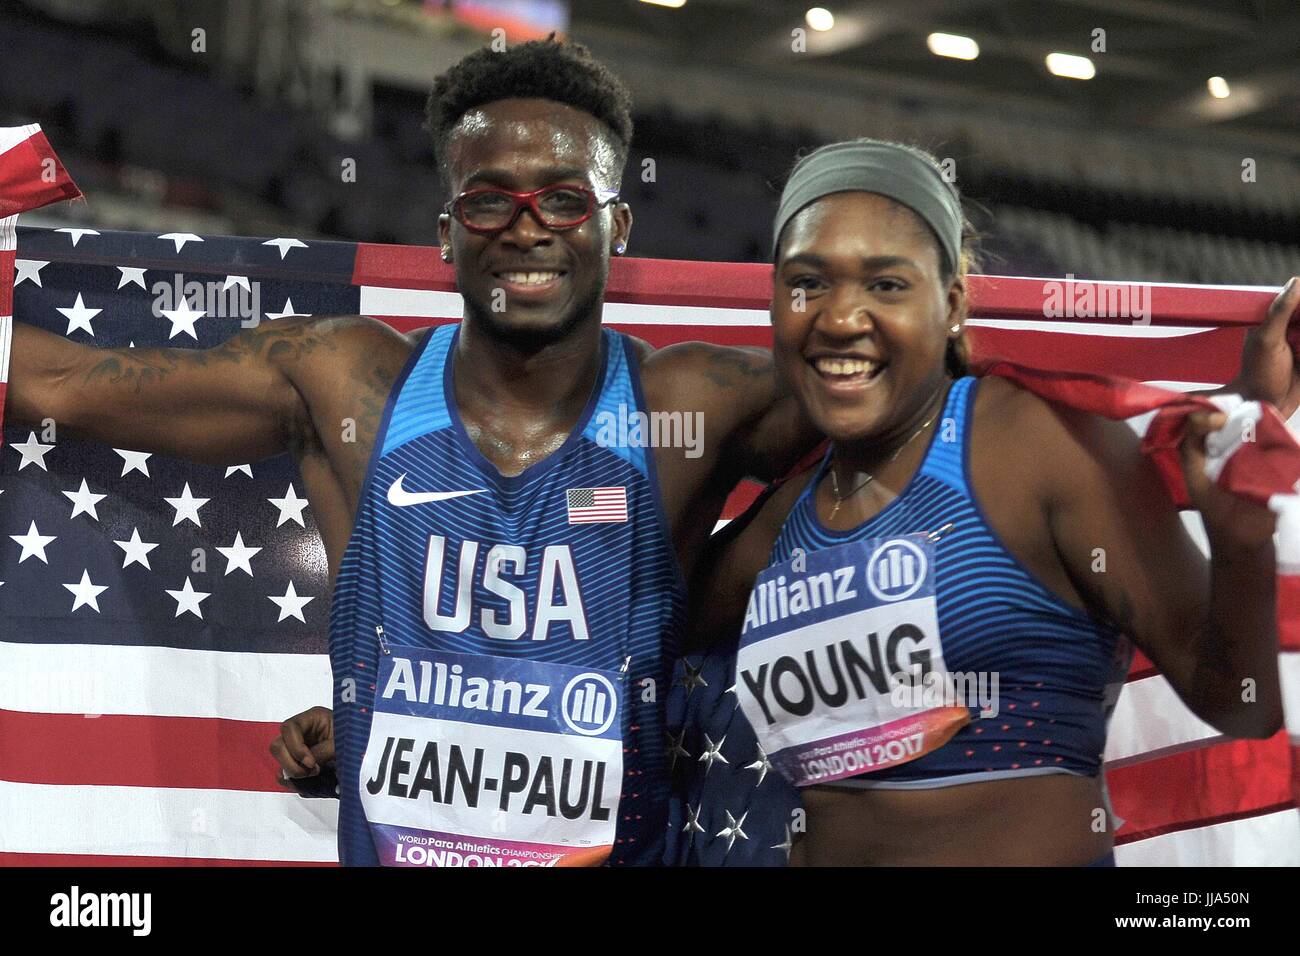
point(741, 497)
point(7, 259)
point(746, 285)
point(1224, 781)
point(1288, 612)
point(31, 176)
point(1013, 297)
point(1209, 357)
point(1208, 822)
point(137, 751)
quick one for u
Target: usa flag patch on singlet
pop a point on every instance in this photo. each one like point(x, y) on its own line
point(593, 505)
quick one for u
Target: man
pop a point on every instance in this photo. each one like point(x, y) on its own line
point(478, 518)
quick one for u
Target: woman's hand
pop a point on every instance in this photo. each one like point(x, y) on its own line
point(1230, 520)
point(1269, 370)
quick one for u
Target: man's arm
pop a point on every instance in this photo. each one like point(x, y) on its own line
point(233, 403)
point(762, 433)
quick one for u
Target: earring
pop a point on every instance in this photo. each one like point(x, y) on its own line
point(446, 254)
point(620, 248)
point(956, 328)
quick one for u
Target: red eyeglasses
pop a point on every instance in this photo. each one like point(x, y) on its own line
point(555, 207)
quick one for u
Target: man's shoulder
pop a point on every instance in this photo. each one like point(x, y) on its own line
point(343, 335)
point(705, 373)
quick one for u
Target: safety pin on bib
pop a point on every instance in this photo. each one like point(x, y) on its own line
point(934, 535)
point(383, 644)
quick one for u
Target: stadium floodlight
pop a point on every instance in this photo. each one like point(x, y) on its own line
point(820, 19)
point(1070, 66)
point(952, 46)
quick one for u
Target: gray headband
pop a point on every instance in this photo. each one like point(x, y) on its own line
point(892, 170)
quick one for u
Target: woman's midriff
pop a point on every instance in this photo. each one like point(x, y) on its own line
point(1049, 820)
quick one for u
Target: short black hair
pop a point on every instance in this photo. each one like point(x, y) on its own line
point(550, 69)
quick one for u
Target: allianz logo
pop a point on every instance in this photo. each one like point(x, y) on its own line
point(588, 703)
point(895, 571)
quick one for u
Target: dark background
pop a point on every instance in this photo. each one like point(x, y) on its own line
point(1134, 174)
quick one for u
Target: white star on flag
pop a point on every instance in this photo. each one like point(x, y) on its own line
point(182, 320)
point(79, 316)
point(712, 753)
point(33, 452)
point(236, 280)
point(237, 555)
point(29, 269)
point(290, 507)
point(691, 678)
point(131, 276)
point(187, 507)
point(137, 551)
point(692, 824)
point(33, 544)
point(284, 245)
point(83, 501)
point(86, 594)
point(188, 599)
point(246, 469)
point(733, 829)
point(76, 234)
point(180, 238)
point(287, 311)
point(787, 844)
point(762, 765)
point(134, 461)
point(675, 748)
point(291, 604)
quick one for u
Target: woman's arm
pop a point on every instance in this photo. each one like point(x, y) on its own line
point(1210, 626)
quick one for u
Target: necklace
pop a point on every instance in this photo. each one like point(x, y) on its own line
point(835, 481)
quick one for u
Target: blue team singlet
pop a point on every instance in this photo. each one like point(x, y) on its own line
point(510, 712)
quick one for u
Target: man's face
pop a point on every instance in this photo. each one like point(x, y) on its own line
point(528, 282)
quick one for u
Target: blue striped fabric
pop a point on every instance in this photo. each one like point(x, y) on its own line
point(630, 586)
point(1054, 663)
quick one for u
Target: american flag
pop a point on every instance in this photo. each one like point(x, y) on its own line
point(596, 505)
point(147, 660)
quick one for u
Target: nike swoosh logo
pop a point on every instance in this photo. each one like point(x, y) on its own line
point(401, 498)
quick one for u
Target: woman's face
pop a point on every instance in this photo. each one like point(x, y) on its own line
point(861, 315)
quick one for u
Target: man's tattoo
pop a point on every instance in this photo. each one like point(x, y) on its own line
point(140, 368)
point(731, 368)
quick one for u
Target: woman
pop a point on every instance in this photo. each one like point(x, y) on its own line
point(961, 530)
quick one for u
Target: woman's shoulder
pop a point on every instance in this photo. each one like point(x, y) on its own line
point(1063, 446)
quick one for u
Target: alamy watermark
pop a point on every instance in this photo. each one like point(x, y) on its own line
point(919, 690)
point(632, 428)
point(1094, 300)
point(233, 298)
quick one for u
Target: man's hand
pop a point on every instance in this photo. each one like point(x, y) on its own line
point(305, 745)
point(1269, 369)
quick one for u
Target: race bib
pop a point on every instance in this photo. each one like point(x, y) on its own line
point(839, 661)
point(476, 760)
